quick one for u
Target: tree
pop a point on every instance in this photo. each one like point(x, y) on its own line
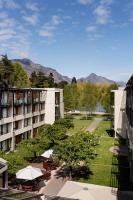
point(62, 84)
point(7, 76)
point(89, 98)
point(39, 80)
point(21, 79)
point(71, 97)
point(74, 81)
point(33, 79)
point(51, 80)
point(65, 122)
point(76, 148)
point(106, 98)
point(15, 161)
point(12, 74)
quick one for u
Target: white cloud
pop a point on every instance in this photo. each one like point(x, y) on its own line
point(7, 22)
point(106, 2)
point(55, 20)
point(14, 36)
point(7, 31)
point(32, 19)
point(8, 4)
point(49, 27)
point(32, 6)
point(102, 14)
point(91, 28)
point(46, 33)
point(85, 2)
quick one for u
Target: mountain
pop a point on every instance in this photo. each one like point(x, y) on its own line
point(30, 66)
point(93, 78)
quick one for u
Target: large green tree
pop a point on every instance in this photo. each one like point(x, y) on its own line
point(76, 148)
point(89, 98)
point(106, 98)
point(12, 74)
point(21, 79)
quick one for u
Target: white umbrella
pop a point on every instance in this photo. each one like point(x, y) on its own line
point(29, 173)
point(48, 153)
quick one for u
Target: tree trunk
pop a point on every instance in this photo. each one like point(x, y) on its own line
point(70, 173)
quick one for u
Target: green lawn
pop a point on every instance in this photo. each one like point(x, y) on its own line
point(106, 169)
point(79, 124)
point(101, 166)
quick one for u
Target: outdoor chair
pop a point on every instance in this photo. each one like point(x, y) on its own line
point(27, 188)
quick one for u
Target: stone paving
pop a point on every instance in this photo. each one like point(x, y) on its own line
point(95, 123)
point(54, 185)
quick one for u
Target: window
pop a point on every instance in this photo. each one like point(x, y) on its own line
point(5, 145)
point(42, 106)
point(57, 98)
point(5, 128)
point(41, 118)
point(17, 125)
point(27, 122)
point(35, 119)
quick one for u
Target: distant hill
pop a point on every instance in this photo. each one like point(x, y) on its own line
point(93, 78)
point(30, 66)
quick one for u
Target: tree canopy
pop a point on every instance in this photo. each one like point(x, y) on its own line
point(12, 74)
point(85, 96)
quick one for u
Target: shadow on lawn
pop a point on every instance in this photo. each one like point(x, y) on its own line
point(77, 173)
point(110, 132)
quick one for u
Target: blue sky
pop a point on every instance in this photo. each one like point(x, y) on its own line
point(75, 37)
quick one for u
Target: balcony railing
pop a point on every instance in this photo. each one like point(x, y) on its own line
point(36, 100)
point(27, 101)
point(5, 103)
point(18, 102)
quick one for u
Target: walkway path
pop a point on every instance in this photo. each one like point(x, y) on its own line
point(54, 185)
point(94, 124)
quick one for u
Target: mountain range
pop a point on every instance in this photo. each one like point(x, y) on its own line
point(30, 66)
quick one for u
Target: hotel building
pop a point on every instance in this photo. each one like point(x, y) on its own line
point(23, 111)
point(123, 118)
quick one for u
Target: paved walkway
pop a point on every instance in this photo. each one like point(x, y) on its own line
point(94, 124)
point(54, 185)
point(122, 150)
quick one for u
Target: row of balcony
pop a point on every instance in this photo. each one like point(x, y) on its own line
point(20, 102)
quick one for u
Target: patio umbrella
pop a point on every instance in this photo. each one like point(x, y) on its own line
point(29, 173)
point(48, 153)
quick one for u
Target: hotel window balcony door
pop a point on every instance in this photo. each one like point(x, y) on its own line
point(42, 117)
point(57, 98)
point(4, 129)
point(5, 145)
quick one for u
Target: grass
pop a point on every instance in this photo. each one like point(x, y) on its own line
point(79, 125)
point(101, 166)
point(108, 169)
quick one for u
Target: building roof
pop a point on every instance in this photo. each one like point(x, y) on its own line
point(85, 191)
point(11, 194)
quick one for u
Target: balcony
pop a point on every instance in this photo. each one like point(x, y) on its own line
point(36, 100)
point(18, 102)
point(5, 103)
point(27, 101)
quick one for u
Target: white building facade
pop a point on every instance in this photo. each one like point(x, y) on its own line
point(119, 112)
point(23, 111)
point(123, 118)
